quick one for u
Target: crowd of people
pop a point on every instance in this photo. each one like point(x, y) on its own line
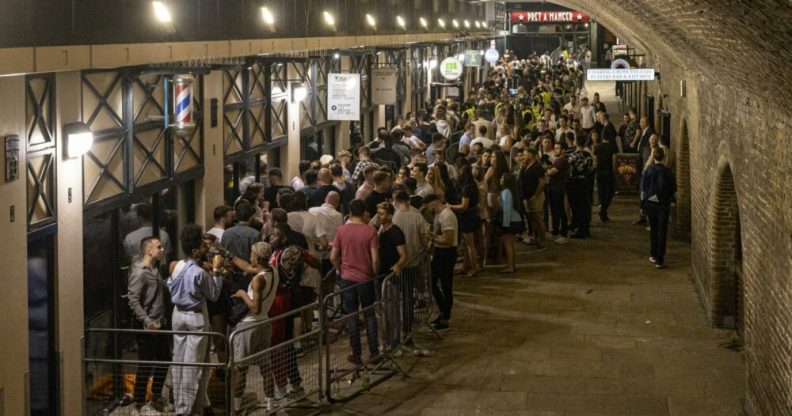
point(532, 149)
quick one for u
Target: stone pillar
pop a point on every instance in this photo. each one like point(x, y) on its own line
point(210, 189)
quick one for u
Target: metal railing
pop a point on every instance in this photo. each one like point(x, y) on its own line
point(264, 371)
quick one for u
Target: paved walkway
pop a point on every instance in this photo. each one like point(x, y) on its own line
point(590, 328)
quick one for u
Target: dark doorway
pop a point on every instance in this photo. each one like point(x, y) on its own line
point(41, 323)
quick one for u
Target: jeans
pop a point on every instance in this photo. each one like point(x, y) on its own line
point(443, 279)
point(658, 224)
point(580, 202)
point(151, 347)
point(605, 188)
point(558, 212)
point(360, 296)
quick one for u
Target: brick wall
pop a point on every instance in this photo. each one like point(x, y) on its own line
point(734, 57)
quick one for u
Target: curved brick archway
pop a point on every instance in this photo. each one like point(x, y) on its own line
point(726, 253)
point(683, 206)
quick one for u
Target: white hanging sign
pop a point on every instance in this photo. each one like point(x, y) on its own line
point(634, 74)
point(343, 97)
point(383, 86)
point(492, 55)
point(451, 68)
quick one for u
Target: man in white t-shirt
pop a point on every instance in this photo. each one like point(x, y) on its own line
point(587, 118)
point(409, 139)
point(445, 235)
point(223, 216)
point(482, 138)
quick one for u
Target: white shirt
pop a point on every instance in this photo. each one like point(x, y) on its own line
point(217, 232)
point(450, 168)
point(328, 219)
point(297, 183)
point(485, 142)
point(587, 116)
point(413, 141)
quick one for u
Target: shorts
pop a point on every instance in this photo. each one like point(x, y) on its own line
point(252, 341)
point(302, 295)
point(516, 227)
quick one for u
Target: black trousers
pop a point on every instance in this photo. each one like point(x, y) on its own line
point(443, 279)
point(658, 226)
point(151, 347)
point(606, 190)
point(558, 212)
point(580, 202)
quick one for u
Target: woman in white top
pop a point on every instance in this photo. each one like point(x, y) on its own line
point(253, 336)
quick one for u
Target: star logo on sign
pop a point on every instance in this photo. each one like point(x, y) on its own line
point(580, 16)
point(521, 17)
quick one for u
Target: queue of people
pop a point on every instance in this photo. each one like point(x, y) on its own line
point(524, 169)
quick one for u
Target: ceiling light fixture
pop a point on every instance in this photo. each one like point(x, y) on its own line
point(455, 23)
point(161, 12)
point(328, 18)
point(266, 14)
point(400, 22)
point(424, 23)
point(441, 23)
point(371, 20)
point(467, 24)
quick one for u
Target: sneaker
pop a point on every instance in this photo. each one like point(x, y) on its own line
point(354, 360)
point(652, 260)
point(561, 240)
point(648, 228)
point(440, 327)
point(161, 405)
point(296, 390)
point(659, 266)
point(528, 240)
point(272, 403)
point(126, 400)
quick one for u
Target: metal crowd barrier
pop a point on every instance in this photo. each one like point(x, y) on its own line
point(274, 377)
point(111, 378)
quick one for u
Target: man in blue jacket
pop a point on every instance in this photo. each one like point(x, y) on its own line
point(657, 191)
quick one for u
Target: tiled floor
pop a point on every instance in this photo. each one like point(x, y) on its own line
point(589, 328)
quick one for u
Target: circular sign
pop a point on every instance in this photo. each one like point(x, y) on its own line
point(492, 55)
point(451, 68)
point(620, 64)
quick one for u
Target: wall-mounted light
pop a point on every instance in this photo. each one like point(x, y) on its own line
point(424, 23)
point(298, 92)
point(79, 139)
point(266, 14)
point(441, 23)
point(161, 12)
point(336, 56)
point(328, 18)
point(400, 22)
point(467, 24)
point(455, 23)
point(371, 20)
point(478, 25)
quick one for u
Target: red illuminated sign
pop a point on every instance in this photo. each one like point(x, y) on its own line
point(549, 17)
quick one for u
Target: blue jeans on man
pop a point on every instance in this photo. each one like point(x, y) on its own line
point(356, 296)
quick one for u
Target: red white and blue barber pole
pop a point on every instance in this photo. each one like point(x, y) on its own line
point(183, 123)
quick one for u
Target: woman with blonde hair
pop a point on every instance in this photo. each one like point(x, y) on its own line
point(434, 179)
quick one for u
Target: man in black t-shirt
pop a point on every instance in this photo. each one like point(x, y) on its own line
point(275, 177)
point(393, 244)
point(604, 174)
point(379, 194)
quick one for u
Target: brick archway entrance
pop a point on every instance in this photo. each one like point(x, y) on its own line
point(726, 254)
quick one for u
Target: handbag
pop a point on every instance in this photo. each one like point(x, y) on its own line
point(238, 306)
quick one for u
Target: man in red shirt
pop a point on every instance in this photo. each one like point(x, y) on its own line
point(355, 255)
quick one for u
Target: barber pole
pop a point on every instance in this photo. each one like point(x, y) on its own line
point(182, 105)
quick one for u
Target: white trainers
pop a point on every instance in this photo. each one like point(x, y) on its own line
point(652, 260)
point(561, 240)
point(528, 240)
point(149, 410)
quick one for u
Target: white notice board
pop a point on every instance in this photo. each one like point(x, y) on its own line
point(635, 74)
point(383, 86)
point(343, 97)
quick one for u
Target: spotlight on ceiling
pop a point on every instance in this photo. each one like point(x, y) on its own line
point(467, 24)
point(371, 20)
point(478, 25)
point(400, 22)
point(328, 18)
point(424, 23)
point(441, 23)
point(161, 12)
point(455, 23)
point(266, 14)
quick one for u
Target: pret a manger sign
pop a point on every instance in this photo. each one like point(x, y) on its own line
point(549, 17)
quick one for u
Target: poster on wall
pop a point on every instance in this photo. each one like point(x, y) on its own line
point(451, 69)
point(473, 58)
point(383, 86)
point(627, 167)
point(343, 97)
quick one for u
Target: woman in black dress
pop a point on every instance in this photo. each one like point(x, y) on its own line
point(469, 221)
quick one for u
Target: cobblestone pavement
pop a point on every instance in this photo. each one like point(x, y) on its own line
point(588, 328)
